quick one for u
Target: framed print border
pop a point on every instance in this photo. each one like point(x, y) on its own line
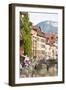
point(12, 36)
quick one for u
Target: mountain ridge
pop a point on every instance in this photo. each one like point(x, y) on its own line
point(48, 26)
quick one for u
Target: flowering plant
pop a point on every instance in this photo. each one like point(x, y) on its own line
point(27, 63)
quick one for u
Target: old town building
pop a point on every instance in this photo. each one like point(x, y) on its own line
point(43, 44)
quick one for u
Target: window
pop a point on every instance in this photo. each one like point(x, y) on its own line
point(42, 40)
point(37, 39)
point(43, 46)
point(43, 52)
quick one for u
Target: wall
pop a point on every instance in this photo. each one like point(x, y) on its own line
point(4, 45)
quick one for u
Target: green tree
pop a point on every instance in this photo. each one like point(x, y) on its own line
point(25, 25)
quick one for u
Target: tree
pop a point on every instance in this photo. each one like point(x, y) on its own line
point(26, 34)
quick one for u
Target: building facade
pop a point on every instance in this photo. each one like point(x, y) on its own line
point(43, 46)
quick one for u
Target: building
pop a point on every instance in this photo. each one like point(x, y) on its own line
point(51, 46)
point(51, 51)
point(38, 42)
point(43, 44)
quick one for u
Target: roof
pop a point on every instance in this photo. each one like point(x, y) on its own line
point(38, 30)
point(50, 37)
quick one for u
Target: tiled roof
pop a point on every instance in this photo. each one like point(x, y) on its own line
point(50, 37)
point(38, 30)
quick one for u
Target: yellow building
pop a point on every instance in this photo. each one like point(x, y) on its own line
point(38, 43)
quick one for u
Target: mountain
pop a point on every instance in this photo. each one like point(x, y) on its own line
point(48, 26)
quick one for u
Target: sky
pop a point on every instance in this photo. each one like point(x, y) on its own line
point(35, 18)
